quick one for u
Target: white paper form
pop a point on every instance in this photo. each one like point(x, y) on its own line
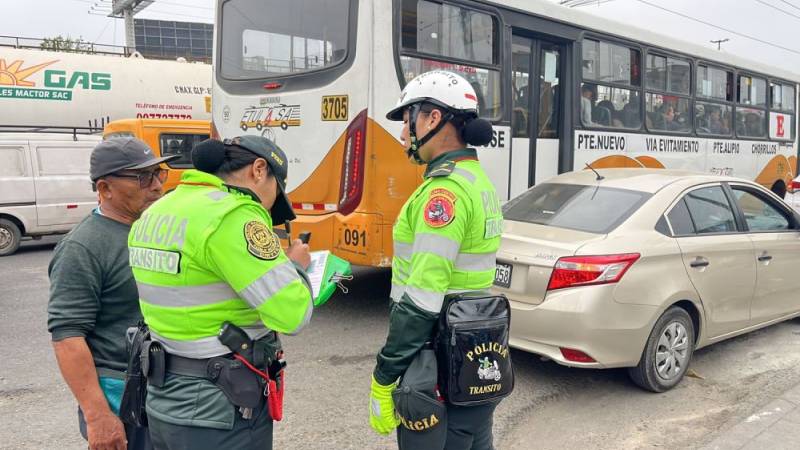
point(316, 270)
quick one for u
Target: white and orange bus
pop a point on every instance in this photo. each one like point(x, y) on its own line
point(562, 88)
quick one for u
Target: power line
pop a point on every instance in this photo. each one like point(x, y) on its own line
point(777, 9)
point(97, 39)
point(790, 4)
point(727, 30)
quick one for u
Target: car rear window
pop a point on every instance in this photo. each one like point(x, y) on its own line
point(593, 209)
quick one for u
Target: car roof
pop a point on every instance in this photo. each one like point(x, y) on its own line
point(644, 180)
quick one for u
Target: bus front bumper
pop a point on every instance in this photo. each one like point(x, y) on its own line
point(360, 238)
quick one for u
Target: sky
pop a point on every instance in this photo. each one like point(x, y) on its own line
point(755, 18)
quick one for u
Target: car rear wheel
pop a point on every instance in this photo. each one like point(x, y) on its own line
point(10, 237)
point(667, 354)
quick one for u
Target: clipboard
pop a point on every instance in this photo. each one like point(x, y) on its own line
point(325, 272)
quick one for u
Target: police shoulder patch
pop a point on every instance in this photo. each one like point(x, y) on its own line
point(440, 209)
point(261, 241)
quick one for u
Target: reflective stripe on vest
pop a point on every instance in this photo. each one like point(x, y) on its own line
point(447, 249)
point(182, 296)
point(206, 347)
point(264, 288)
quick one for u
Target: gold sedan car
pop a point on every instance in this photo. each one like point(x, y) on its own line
point(638, 268)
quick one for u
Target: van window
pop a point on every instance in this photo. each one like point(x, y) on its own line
point(119, 134)
point(592, 209)
point(11, 162)
point(58, 160)
point(180, 144)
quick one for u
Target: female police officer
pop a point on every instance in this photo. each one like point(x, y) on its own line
point(445, 240)
point(205, 258)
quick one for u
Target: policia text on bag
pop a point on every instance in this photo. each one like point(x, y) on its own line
point(445, 242)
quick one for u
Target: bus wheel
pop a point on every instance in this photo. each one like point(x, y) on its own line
point(779, 188)
point(259, 126)
point(284, 126)
point(244, 127)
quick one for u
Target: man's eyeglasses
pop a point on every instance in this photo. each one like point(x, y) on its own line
point(145, 177)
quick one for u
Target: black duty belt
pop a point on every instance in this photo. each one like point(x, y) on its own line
point(190, 367)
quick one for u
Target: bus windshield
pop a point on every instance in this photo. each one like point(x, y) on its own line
point(267, 38)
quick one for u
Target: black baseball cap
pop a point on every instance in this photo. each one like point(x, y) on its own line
point(122, 153)
point(281, 211)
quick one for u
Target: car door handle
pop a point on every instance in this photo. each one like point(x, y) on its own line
point(765, 257)
point(699, 262)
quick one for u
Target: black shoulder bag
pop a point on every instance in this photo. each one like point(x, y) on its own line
point(472, 349)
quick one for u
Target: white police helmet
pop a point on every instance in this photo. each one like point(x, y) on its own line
point(441, 88)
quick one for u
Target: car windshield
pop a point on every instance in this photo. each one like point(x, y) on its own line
point(593, 209)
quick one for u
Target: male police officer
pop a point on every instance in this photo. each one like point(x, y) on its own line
point(445, 240)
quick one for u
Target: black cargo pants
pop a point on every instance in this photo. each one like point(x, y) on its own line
point(247, 434)
point(468, 428)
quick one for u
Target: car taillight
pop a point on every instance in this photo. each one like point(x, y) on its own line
point(572, 271)
point(351, 185)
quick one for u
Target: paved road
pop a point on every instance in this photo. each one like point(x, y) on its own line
point(552, 407)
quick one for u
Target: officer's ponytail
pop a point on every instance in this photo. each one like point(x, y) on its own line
point(212, 156)
point(476, 131)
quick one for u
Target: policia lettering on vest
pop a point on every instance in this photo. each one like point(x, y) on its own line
point(215, 288)
point(445, 242)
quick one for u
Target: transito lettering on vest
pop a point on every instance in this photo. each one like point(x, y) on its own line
point(493, 228)
point(419, 425)
point(161, 229)
point(154, 260)
point(484, 347)
point(488, 389)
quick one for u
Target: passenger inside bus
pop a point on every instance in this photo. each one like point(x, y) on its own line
point(716, 124)
point(751, 125)
point(664, 118)
point(606, 114)
point(712, 119)
point(588, 96)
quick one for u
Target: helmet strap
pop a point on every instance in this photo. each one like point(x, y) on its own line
point(416, 144)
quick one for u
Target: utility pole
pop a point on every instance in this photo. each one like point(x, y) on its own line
point(126, 9)
point(719, 42)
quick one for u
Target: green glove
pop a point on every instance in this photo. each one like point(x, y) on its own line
point(381, 408)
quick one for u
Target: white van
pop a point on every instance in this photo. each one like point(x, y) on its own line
point(44, 185)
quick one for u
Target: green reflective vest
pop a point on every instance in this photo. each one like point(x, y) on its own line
point(205, 254)
point(447, 234)
point(445, 241)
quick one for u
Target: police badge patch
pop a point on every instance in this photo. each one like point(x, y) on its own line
point(261, 241)
point(440, 209)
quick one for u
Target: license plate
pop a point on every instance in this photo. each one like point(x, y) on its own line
point(502, 275)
